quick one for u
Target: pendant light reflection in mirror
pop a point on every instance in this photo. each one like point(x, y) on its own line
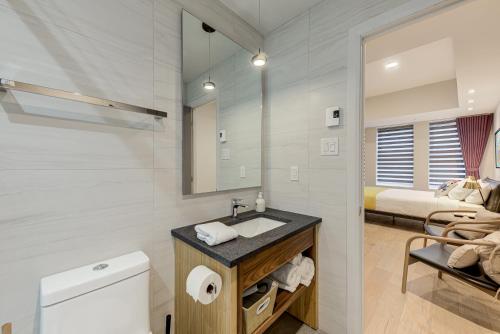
point(209, 84)
point(260, 59)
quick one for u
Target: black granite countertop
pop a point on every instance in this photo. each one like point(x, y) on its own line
point(234, 251)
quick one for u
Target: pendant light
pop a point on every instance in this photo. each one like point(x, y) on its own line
point(260, 59)
point(209, 85)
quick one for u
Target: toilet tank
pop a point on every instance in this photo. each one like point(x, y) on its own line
point(108, 297)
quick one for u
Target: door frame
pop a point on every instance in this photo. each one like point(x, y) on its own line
point(354, 118)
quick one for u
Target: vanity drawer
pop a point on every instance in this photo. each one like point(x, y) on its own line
point(259, 266)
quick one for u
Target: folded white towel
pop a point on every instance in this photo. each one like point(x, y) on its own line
point(215, 233)
point(297, 259)
point(288, 277)
point(307, 270)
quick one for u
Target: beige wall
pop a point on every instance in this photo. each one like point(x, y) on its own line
point(370, 153)
point(418, 100)
point(488, 166)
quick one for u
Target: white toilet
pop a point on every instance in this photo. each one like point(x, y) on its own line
point(109, 297)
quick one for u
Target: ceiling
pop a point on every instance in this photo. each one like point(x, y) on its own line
point(471, 29)
point(426, 64)
point(274, 12)
point(195, 48)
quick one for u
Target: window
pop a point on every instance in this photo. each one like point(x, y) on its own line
point(445, 154)
point(395, 156)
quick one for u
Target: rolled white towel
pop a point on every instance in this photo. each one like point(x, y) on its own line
point(307, 270)
point(297, 259)
point(215, 233)
point(288, 277)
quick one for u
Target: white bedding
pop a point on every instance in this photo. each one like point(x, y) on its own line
point(418, 203)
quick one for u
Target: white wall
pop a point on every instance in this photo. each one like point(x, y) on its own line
point(77, 191)
point(205, 148)
point(307, 72)
point(411, 102)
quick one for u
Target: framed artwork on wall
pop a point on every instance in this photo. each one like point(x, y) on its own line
point(497, 148)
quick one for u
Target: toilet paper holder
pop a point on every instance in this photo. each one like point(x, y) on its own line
point(212, 289)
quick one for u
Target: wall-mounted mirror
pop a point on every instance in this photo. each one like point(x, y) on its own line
point(222, 115)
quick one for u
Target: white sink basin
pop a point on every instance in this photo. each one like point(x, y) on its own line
point(256, 226)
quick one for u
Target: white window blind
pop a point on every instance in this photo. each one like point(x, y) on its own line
point(445, 154)
point(395, 156)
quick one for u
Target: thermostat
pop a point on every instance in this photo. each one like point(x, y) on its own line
point(332, 116)
point(222, 136)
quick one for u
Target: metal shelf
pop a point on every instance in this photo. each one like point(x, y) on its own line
point(6, 84)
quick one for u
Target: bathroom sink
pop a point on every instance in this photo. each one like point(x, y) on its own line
point(256, 226)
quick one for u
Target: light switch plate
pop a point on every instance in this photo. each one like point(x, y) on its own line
point(243, 173)
point(294, 173)
point(225, 154)
point(329, 146)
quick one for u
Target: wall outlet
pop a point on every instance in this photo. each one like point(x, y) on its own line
point(243, 173)
point(225, 154)
point(294, 173)
point(329, 146)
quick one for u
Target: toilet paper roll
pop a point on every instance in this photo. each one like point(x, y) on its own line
point(203, 284)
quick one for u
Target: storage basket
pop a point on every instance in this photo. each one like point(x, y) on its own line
point(258, 307)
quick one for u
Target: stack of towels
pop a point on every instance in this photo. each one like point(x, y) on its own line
point(298, 271)
point(215, 233)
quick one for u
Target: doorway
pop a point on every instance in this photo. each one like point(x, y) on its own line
point(398, 126)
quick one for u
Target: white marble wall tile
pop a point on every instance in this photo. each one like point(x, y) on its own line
point(308, 73)
point(78, 183)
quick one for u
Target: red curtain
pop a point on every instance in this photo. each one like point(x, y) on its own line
point(474, 132)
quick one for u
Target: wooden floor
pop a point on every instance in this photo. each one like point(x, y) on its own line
point(430, 305)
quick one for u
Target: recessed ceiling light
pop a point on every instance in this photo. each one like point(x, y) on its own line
point(391, 65)
point(470, 101)
point(471, 91)
point(470, 108)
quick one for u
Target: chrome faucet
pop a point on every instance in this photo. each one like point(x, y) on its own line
point(236, 203)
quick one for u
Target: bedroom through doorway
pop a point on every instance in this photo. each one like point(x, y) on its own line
point(431, 173)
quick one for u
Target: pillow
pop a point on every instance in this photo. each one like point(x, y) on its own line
point(491, 266)
point(487, 215)
point(470, 235)
point(484, 252)
point(445, 188)
point(464, 256)
point(491, 271)
point(459, 192)
point(480, 215)
point(475, 196)
point(493, 202)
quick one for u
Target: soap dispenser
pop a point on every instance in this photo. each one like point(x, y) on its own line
point(260, 203)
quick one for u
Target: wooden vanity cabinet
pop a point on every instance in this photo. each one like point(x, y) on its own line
point(225, 314)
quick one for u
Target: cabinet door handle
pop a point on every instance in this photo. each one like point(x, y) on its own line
point(263, 306)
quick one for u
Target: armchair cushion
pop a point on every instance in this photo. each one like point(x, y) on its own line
point(463, 257)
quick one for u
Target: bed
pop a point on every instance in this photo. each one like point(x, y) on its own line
point(408, 203)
